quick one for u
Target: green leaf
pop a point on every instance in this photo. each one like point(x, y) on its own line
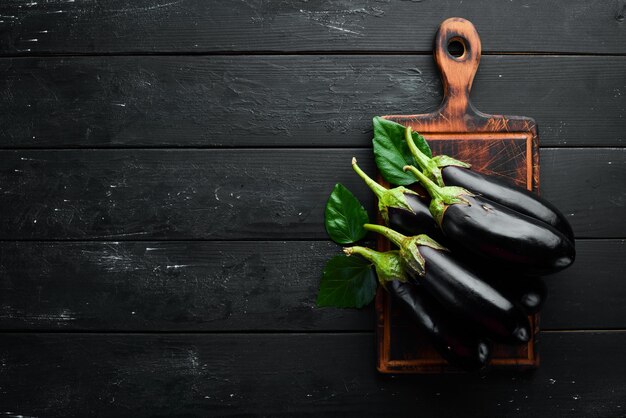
point(392, 152)
point(347, 282)
point(344, 216)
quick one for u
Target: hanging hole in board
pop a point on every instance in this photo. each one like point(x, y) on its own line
point(456, 48)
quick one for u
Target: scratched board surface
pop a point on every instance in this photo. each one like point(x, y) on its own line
point(164, 167)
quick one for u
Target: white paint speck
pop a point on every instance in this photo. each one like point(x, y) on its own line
point(66, 315)
point(177, 266)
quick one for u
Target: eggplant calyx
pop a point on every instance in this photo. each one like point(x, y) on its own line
point(409, 247)
point(388, 265)
point(394, 198)
point(412, 256)
point(427, 241)
point(445, 161)
point(442, 197)
point(431, 167)
point(387, 198)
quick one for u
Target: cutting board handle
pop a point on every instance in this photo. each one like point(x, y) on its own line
point(457, 72)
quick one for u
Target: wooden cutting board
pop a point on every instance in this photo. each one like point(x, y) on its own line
point(494, 144)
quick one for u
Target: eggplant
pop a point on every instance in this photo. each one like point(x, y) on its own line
point(446, 171)
point(495, 232)
point(458, 288)
point(455, 343)
point(458, 346)
point(402, 209)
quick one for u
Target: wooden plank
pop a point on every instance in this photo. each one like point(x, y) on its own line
point(587, 185)
point(582, 374)
point(244, 194)
point(590, 294)
point(194, 26)
point(250, 101)
point(169, 286)
point(239, 286)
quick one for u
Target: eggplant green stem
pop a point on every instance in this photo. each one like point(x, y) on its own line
point(387, 198)
point(442, 197)
point(388, 265)
point(366, 253)
point(378, 190)
point(409, 251)
point(428, 165)
point(433, 189)
point(421, 158)
point(393, 236)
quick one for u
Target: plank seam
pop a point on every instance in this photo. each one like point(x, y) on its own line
point(263, 332)
point(230, 240)
point(263, 148)
point(300, 53)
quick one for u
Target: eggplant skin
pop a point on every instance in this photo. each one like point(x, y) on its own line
point(419, 222)
point(454, 343)
point(462, 292)
point(500, 191)
point(516, 241)
point(529, 292)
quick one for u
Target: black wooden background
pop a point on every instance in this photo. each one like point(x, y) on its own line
point(163, 171)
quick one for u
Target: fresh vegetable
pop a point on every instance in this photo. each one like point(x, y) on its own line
point(447, 171)
point(528, 292)
point(454, 342)
point(407, 212)
point(402, 209)
point(487, 229)
point(459, 289)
